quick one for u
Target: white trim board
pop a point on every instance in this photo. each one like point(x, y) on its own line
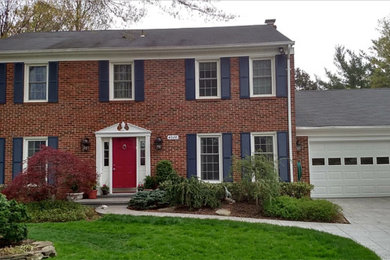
point(347, 131)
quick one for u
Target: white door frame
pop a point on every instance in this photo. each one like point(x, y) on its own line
point(117, 131)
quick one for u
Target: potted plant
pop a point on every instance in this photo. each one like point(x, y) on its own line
point(140, 187)
point(105, 189)
point(75, 194)
point(93, 193)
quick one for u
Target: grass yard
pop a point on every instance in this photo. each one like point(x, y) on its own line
point(128, 237)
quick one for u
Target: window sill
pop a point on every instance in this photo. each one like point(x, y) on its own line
point(264, 97)
point(209, 100)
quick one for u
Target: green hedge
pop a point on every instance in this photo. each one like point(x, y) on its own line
point(58, 211)
point(296, 189)
point(303, 209)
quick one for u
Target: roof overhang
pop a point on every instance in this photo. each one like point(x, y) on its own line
point(145, 53)
point(343, 131)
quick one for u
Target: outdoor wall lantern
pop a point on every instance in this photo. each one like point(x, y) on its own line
point(85, 144)
point(158, 143)
point(299, 146)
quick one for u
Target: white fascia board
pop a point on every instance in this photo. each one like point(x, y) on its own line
point(119, 54)
point(332, 131)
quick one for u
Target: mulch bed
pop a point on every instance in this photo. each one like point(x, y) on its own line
point(238, 209)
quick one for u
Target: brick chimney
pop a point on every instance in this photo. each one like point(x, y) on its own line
point(271, 22)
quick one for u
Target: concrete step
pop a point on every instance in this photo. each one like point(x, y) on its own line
point(111, 199)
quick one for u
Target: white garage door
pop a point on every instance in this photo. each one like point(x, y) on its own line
point(350, 168)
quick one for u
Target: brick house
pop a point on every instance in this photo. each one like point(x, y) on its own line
point(127, 99)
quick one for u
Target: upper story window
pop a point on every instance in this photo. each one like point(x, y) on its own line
point(208, 79)
point(264, 144)
point(121, 83)
point(262, 77)
point(36, 82)
point(210, 158)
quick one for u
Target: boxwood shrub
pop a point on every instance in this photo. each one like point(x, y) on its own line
point(303, 209)
point(296, 189)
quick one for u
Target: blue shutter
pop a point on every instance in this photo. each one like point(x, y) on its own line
point(190, 79)
point(2, 160)
point(227, 156)
point(283, 159)
point(52, 141)
point(139, 80)
point(244, 77)
point(53, 82)
point(191, 155)
point(104, 81)
point(225, 78)
point(3, 83)
point(281, 75)
point(18, 83)
point(17, 156)
point(245, 145)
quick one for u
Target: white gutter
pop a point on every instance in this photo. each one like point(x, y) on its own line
point(289, 116)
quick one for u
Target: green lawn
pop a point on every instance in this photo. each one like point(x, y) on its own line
point(127, 237)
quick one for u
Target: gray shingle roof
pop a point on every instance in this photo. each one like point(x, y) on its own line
point(154, 38)
point(358, 107)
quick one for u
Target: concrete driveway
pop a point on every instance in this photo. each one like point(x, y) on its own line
point(369, 218)
point(370, 223)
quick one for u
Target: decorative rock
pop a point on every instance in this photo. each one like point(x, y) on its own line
point(223, 212)
point(43, 250)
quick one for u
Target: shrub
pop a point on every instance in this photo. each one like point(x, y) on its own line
point(150, 182)
point(11, 216)
point(296, 189)
point(303, 209)
point(163, 170)
point(51, 173)
point(260, 180)
point(193, 193)
point(149, 200)
point(58, 211)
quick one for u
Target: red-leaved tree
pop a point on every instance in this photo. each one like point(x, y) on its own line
point(51, 174)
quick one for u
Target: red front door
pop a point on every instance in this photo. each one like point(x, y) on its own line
point(124, 167)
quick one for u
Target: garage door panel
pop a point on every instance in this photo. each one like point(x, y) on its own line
point(350, 180)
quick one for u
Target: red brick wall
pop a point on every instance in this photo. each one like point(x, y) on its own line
point(303, 157)
point(165, 111)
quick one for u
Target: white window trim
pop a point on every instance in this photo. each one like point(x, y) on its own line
point(25, 146)
point(111, 84)
point(198, 149)
point(27, 81)
point(273, 75)
point(139, 140)
point(218, 96)
point(275, 144)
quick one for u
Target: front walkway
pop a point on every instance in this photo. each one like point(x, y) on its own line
point(370, 221)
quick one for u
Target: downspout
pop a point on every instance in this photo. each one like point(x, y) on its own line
point(290, 147)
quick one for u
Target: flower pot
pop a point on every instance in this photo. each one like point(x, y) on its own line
point(74, 196)
point(92, 194)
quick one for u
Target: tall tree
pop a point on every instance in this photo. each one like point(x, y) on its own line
point(78, 15)
point(381, 56)
point(304, 82)
point(353, 70)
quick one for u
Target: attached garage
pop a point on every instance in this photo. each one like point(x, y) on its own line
point(344, 148)
point(349, 168)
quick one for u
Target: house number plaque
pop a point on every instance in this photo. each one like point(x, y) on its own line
point(173, 137)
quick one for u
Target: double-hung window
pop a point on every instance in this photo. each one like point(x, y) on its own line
point(264, 144)
point(121, 84)
point(262, 77)
point(31, 146)
point(208, 79)
point(210, 158)
point(36, 82)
